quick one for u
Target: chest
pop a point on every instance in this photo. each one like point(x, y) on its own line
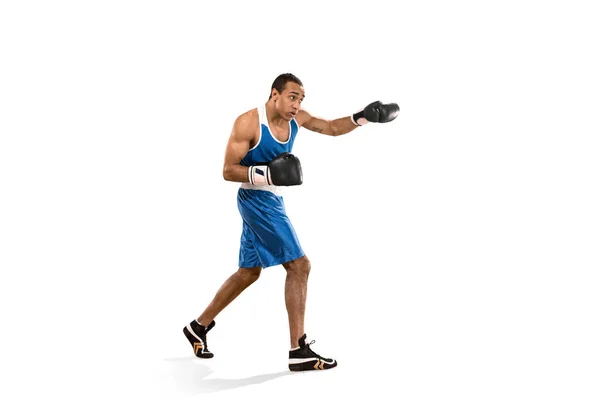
point(281, 132)
point(272, 136)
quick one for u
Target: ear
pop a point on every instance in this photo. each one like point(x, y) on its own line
point(274, 93)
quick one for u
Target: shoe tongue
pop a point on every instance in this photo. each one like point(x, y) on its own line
point(210, 326)
point(302, 341)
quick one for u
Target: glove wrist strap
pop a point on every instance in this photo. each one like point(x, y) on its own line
point(259, 175)
point(358, 118)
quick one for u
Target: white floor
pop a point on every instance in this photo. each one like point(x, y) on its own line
point(420, 333)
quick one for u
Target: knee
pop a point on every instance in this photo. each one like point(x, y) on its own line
point(250, 275)
point(300, 266)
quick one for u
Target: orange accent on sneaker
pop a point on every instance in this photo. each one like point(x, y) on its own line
point(197, 346)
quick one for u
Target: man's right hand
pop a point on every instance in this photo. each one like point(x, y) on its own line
point(283, 170)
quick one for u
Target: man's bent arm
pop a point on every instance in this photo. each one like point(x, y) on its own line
point(237, 147)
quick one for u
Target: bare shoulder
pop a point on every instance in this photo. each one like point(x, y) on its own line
point(247, 120)
point(245, 126)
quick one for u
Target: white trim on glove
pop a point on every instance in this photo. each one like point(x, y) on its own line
point(259, 175)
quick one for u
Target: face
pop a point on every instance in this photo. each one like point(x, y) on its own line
point(289, 101)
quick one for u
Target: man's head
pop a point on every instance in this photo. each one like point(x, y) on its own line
point(287, 93)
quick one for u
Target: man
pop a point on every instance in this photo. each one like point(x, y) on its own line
point(258, 155)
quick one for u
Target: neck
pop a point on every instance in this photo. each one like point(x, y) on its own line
point(272, 114)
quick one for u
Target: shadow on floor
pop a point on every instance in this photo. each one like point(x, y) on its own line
point(193, 377)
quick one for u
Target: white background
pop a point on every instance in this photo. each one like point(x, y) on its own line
point(454, 251)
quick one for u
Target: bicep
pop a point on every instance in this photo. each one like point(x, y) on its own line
point(238, 143)
point(236, 149)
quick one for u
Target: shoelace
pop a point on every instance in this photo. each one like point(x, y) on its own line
point(311, 350)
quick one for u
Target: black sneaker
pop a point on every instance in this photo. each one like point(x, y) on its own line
point(196, 334)
point(304, 359)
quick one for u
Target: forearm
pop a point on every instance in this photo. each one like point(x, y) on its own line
point(341, 126)
point(235, 173)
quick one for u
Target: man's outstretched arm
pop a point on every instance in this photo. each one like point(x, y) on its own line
point(335, 127)
point(374, 112)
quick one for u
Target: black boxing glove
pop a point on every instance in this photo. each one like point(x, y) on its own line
point(283, 170)
point(376, 112)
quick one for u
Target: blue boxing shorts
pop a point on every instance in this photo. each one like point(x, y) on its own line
point(268, 237)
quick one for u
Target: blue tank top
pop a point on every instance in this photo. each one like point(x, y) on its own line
point(268, 147)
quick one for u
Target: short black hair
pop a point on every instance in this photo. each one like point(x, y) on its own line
point(280, 82)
